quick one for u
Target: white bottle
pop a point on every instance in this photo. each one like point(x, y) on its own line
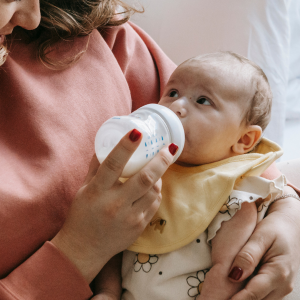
point(159, 125)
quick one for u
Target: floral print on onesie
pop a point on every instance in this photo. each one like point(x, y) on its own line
point(180, 274)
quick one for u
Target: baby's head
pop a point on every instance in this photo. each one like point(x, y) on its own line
point(224, 103)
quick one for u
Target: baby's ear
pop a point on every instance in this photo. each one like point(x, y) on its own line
point(248, 140)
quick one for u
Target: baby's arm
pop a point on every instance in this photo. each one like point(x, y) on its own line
point(229, 240)
point(107, 284)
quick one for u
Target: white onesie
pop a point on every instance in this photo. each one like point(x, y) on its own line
point(179, 274)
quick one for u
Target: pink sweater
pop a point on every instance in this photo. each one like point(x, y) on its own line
point(48, 122)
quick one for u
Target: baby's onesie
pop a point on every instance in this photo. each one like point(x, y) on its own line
point(171, 258)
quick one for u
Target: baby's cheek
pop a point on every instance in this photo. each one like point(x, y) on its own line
point(162, 102)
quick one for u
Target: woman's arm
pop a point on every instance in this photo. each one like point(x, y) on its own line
point(47, 274)
point(276, 244)
point(105, 218)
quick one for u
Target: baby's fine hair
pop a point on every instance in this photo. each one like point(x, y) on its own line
point(259, 112)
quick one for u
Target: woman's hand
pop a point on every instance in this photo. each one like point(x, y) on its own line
point(275, 248)
point(107, 216)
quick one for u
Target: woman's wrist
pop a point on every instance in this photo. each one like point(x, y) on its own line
point(289, 207)
point(85, 260)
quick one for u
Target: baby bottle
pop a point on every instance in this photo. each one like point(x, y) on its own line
point(159, 125)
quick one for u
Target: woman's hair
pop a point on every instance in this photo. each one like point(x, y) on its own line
point(67, 19)
point(260, 104)
point(3, 53)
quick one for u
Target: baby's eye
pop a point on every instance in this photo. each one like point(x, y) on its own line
point(203, 100)
point(173, 94)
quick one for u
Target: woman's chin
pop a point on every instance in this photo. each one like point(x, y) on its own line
point(2, 39)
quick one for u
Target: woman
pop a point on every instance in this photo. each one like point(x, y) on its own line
point(58, 233)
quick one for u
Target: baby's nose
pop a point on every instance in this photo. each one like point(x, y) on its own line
point(179, 107)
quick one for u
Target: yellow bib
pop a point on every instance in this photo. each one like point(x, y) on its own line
point(192, 196)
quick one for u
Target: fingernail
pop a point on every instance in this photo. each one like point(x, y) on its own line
point(236, 273)
point(134, 135)
point(173, 148)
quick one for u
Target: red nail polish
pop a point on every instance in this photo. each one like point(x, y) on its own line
point(236, 273)
point(173, 148)
point(134, 135)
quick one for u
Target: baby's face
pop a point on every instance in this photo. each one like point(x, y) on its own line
point(211, 104)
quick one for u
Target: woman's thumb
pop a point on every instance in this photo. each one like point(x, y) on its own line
point(250, 255)
point(93, 168)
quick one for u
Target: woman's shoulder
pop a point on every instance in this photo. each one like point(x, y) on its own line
point(129, 38)
point(146, 67)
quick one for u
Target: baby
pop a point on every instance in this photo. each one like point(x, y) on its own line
point(212, 195)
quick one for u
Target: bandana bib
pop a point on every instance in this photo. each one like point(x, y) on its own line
point(192, 196)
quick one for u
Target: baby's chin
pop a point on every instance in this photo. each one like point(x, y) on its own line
point(184, 164)
point(186, 161)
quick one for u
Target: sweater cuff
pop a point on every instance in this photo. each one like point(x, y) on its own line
point(48, 274)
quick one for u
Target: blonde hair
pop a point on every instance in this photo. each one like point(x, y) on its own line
point(260, 105)
point(67, 19)
point(3, 54)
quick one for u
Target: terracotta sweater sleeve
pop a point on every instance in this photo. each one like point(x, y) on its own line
point(46, 275)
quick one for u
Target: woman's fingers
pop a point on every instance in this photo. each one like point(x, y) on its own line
point(251, 254)
point(93, 168)
point(144, 202)
point(275, 244)
point(144, 187)
point(112, 167)
point(258, 288)
point(140, 183)
point(151, 210)
point(263, 285)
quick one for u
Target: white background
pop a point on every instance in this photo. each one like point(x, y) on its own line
point(266, 31)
